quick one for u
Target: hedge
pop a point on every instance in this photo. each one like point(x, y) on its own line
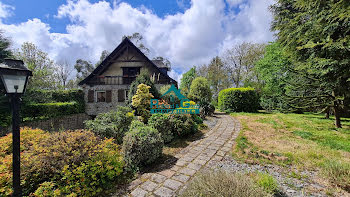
point(34, 98)
point(50, 110)
point(238, 100)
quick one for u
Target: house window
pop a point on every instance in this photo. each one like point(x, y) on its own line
point(100, 96)
point(131, 71)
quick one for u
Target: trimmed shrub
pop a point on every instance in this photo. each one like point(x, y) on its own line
point(50, 110)
point(222, 183)
point(142, 145)
point(73, 163)
point(162, 123)
point(112, 124)
point(183, 125)
point(238, 100)
point(200, 90)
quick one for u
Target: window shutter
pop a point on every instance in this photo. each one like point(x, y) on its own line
point(91, 96)
point(121, 95)
point(108, 96)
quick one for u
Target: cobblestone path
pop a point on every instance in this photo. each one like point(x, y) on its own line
point(204, 152)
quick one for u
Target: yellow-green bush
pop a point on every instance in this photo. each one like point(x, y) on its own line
point(238, 100)
point(65, 163)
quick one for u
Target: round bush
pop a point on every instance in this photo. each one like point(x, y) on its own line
point(200, 90)
point(162, 123)
point(238, 100)
point(113, 124)
point(183, 125)
point(142, 145)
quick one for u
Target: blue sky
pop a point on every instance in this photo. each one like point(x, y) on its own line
point(45, 10)
point(187, 32)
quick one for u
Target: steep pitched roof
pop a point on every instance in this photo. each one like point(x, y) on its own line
point(115, 54)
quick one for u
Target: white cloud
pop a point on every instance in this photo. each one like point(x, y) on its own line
point(186, 39)
point(5, 10)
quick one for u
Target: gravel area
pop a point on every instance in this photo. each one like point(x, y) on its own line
point(289, 186)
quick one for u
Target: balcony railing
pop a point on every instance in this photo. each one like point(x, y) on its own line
point(120, 80)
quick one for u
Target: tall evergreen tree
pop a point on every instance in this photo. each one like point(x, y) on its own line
point(317, 36)
point(186, 80)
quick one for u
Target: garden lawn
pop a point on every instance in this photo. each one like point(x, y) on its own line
point(304, 141)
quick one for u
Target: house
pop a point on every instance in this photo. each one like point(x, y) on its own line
point(108, 85)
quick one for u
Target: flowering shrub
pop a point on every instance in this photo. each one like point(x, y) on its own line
point(112, 124)
point(72, 163)
point(142, 145)
point(162, 123)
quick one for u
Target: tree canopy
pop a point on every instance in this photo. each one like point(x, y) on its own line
point(316, 34)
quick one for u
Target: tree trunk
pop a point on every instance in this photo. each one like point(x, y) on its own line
point(337, 117)
point(327, 114)
point(336, 111)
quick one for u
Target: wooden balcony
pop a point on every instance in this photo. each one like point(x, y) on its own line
point(112, 80)
point(120, 80)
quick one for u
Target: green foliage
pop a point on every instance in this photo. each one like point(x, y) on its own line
point(50, 110)
point(143, 78)
point(217, 74)
point(197, 119)
point(206, 109)
point(200, 90)
point(338, 172)
point(72, 163)
point(112, 124)
point(273, 69)
point(267, 182)
point(5, 51)
point(186, 81)
point(238, 100)
point(183, 125)
point(83, 68)
point(316, 36)
point(142, 145)
point(37, 103)
point(40, 64)
point(162, 123)
point(141, 101)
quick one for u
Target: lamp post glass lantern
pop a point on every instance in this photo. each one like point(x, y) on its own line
point(14, 76)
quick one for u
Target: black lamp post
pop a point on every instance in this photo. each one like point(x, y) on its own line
point(15, 76)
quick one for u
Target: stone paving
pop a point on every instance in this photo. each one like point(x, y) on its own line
point(202, 153)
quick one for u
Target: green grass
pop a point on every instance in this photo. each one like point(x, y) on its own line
point(267, 182)
point(309, 141)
